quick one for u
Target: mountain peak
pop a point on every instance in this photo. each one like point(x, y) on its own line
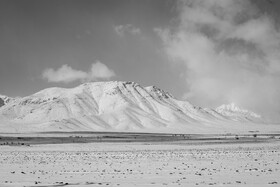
point(233, 110)
point(4, 100)
point(3, 96)
point(230, 107)
point(158, 91)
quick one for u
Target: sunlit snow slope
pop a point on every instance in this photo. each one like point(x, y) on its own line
point(238, 114)
point(117, 106)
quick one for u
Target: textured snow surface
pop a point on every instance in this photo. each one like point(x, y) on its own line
point(134, 164)
point(119, 106)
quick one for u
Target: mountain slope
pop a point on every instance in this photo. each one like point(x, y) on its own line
point(4, 100)
point(237, 114)
point(110, 106)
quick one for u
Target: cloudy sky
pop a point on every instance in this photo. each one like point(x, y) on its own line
point(209, 52)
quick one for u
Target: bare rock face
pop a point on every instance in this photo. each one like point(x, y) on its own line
point(2, 103)
point(4, 100)
point(113, 105)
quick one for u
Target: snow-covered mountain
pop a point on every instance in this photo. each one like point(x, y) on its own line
point(236, 113)
point(111, 106)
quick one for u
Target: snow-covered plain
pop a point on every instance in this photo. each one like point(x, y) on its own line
point(141, 164)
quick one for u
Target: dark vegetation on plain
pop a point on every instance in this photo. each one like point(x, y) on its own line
point(91, 137)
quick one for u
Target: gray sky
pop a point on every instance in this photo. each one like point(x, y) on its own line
point(209, 52)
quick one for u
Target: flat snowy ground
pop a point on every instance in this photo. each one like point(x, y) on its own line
point(141, 164)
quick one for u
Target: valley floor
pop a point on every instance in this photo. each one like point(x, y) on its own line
point(171, 163)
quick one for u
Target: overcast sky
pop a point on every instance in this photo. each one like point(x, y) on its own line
point(209, 52)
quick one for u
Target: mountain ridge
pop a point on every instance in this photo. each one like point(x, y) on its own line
point(236, 112)
point(112, 106)
point(4, 100)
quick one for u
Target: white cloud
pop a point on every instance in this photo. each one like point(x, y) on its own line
point(128, 28)
point(231, 54)
point(67, 74)
point(64, 74)
point(100, 71)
